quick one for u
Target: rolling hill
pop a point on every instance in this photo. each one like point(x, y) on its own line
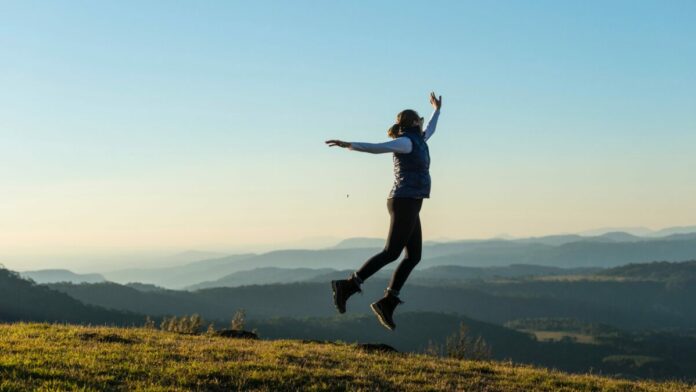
point(24, 300)
point(59, 357)
point(626, 304)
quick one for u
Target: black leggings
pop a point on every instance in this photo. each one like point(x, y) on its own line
point(404, 231)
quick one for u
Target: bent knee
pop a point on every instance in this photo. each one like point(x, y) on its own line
point(391, 255)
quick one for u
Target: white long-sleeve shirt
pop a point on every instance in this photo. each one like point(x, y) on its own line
point(401, 144)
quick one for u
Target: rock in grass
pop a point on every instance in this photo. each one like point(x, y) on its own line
point(236, 334)
point(377, 347)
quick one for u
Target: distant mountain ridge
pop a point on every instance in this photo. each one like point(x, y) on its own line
point(585, 253)
point(425, 276)
point(263, 275)
point(659, 271)
point(61, 275)
point(179, 276)
point(607, 250)
point(641, 231)
point(359, 242)
point(614, 233)
point(673, 230)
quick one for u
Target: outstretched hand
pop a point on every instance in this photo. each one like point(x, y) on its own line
point(339, 143)
point(436, 102)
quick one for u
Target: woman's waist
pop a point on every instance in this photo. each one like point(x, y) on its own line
point(412, 173)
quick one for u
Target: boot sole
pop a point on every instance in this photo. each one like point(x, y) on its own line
point(333, 289)
point(380, 318)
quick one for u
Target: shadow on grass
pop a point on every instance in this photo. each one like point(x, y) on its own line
point(106, 338)
point(37, 378)
point(222, 381)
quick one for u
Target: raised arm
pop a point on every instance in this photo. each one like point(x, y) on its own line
point(432, 123)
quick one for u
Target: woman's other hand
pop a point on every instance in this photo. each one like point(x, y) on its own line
point(437, 103)
point(339, 143)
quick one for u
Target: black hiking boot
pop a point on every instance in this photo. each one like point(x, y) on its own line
point(342, 290)
point(384, 310)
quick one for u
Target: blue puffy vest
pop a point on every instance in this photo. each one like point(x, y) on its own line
point(411, 171)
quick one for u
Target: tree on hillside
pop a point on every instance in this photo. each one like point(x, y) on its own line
point(462, 345)
point(238, 320)
point(184, 324)
point(149, 323)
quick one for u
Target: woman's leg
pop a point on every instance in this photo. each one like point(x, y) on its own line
point(414, 248)
point(404, 217)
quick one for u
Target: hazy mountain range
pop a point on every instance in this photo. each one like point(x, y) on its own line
point(644, 300)
point(430, 276)
point(642, 231)
point(609, 249)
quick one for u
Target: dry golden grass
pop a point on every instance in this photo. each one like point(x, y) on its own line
point(60, 357)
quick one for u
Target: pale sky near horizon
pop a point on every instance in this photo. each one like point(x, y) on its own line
point(128, 125)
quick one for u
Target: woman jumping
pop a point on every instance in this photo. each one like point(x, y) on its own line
point(411, 186)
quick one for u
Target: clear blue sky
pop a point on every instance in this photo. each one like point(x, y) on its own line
point(163, 124)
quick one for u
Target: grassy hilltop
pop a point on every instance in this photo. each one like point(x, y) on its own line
point(61, 357)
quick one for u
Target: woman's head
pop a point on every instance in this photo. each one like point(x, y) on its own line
point(405, 119)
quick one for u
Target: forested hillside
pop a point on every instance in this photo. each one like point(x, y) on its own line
point(24, 300)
